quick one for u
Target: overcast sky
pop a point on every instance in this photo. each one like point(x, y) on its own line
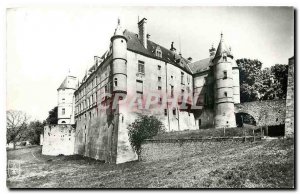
point(44, 43)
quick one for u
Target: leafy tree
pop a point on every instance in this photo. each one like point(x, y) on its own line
point(35, 129)
point(52, 117)
point(249, 79)
point(16, 126)
point(261, 84)
point(144, 127)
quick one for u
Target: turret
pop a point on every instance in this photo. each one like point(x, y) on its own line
point(66, 100)
point(119, 60)
point(236, 80)
point(224, 104)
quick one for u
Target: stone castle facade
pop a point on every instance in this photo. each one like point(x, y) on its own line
point(135, 66)
point(290, 100)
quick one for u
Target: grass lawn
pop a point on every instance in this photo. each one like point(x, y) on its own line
point(262, 164)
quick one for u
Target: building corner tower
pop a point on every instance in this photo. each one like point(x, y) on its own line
point(223, 78)
point(119, 61)
point(66, 101)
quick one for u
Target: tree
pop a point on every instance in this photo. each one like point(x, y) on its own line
point(144, 127)
point(249, 79)
point(35, 129)
point(52, 117)
point(261, 84)
point(16, 126)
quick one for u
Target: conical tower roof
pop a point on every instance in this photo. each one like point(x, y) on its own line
point(222, 48)
point(119, 31)
point(68, 83)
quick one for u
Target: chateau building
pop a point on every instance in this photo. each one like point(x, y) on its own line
point(129, 71)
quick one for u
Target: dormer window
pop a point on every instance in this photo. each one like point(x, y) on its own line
point(158, 52)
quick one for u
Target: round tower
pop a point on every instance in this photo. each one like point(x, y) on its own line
point(236, 81)
point(119, 60)
point(223, 77)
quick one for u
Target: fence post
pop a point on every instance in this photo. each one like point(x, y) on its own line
point(261, 134)
point(253, 135)
point(224, 131)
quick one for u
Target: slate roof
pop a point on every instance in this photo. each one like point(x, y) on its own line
point(67, 84)
point(135, 45)
point(222, 48)
point(201, 65)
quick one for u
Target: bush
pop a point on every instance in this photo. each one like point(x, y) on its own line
point(144, 127)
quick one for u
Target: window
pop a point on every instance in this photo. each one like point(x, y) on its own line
point(171, 76)
point(182, 76)
point(225, 94)
point(63, 111)
point(159, 79)
point(166, 112)
point(172, 91)
point(158, 52)
point(139, 86)
point(141, 67)
point(106, 89)
point(159, 88)
point(182, 95)
point(116, 82)
point(63, 100)
point(159, 67)
point(174, 111)
point(225, 74)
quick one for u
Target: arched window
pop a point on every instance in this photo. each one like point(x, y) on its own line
point(63, 122)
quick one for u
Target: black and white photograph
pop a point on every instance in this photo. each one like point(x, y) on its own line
point(150, 97)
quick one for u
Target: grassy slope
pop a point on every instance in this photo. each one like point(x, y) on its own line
point(266, 164)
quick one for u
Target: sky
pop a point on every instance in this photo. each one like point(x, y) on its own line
point(43, 44)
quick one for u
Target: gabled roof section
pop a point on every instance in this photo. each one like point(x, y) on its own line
point(201, 65)
point(68, 83)
point(135, 45)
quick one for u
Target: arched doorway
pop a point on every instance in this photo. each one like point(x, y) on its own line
point(244, 119)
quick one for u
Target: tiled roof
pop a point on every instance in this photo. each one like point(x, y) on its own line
point(201, 65)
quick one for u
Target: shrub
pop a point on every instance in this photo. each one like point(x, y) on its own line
point(144, 127)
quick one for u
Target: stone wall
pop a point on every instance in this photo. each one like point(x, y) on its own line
point(58, 139)
point(289, 121)
point(153, 150)
point(269, 112)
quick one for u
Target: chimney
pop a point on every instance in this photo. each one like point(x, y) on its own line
point(190, 59)
point(148, 36)
point(143, 31)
